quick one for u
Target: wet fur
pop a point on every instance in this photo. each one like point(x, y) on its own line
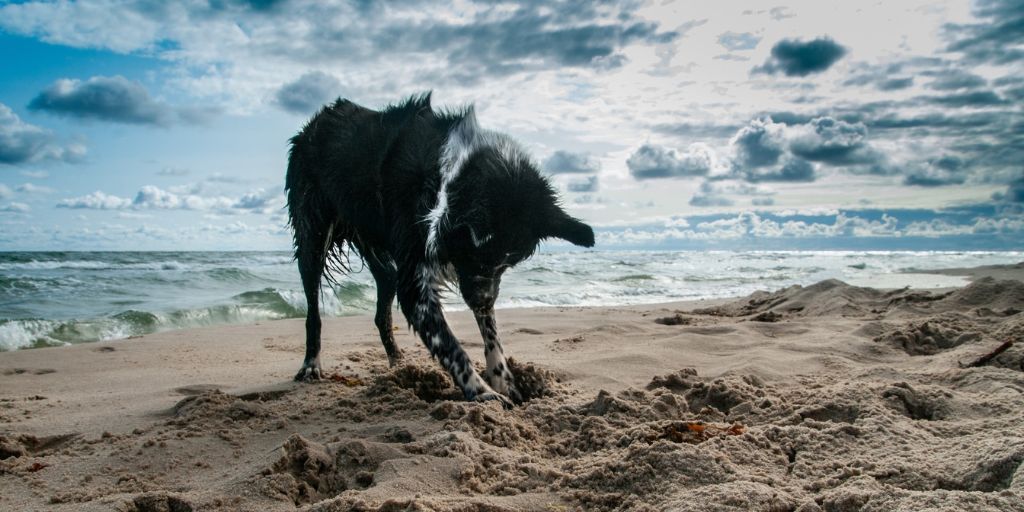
point(429, 201)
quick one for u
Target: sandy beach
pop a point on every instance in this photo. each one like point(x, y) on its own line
point(825, 397)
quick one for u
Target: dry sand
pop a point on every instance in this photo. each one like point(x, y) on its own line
point(826, 397)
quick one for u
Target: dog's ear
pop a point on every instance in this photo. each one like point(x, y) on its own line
point(570, 229)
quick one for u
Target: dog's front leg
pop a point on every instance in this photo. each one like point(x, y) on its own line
point(498, 374)
point(420, 301)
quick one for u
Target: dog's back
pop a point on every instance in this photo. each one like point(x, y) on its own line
point(343, 164)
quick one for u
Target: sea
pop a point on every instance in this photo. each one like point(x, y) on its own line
point(61, 298)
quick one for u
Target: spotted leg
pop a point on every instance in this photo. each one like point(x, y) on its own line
point(419, 297)
point(498, 373)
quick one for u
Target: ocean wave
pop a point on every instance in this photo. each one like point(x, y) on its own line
point(246, 307)
point(633, 277)
point(92, 265)
point(231, 274)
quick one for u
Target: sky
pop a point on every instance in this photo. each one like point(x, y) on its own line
point(145, 125)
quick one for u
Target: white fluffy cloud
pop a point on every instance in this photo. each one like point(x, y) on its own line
point(150, 197)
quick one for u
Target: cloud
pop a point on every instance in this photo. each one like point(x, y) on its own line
point(115, 99)
point(150, 197)
point(762, 201)
point(239, 55)
point(735, 41)
point(967, 99)
point(651, 161)
point(172, 171)
point(15, 208)
point(734, 187)
point(31, 188)
point(798, 58)
point(716, 193)
point(5, 191)
point(262, 201)
point(827, 140)
point(945, 170)
point(792, 169)
point(308, 93)
point(759, 144)
point(996, 39)
point(1014, 191)
point(588, 184)
point(22, 143)
point(568, 162)
point(107, 98)
point(954, 79)
point(96, 201)
point(691, 130)
point(705, 201)
point(39, 175)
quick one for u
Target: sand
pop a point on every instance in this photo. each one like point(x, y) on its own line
point(826, 397)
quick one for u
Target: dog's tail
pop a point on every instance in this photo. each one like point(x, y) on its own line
point(316, 230)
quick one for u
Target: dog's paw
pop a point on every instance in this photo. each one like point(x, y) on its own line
point(502, 399)
point(506, 385)
point(514, 395)
point(310, 371)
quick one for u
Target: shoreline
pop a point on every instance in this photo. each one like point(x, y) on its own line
point(209, 417)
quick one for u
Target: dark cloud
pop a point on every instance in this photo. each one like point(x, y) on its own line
point(759, 144)
point(798, 58)
point(996, 38)
point(791, 170)
point(954, 79)
point(588, 184)
point(308, 93)
point(1016, 93)
point(568, 162)
point(498, 43)
point(895, 84)
point(696, 130)
point(934, 120)
point(107, 98)
point(937, 172)
point(1014, 192)
point(21, 142)
point(881, 80)
point(705, 201)
point(651, 161)
point(932, 177)
point(735, 41)
point(966, 99)
point(254, 5)
point(830, 141)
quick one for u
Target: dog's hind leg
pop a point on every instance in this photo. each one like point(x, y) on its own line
point(384, 273)
point(498, 374)
point(311, 248)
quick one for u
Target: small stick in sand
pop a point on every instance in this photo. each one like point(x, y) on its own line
point(981, 361)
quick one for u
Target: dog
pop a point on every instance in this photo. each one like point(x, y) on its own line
point(429, 201)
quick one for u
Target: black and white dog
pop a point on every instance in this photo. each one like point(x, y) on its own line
point(427, 199)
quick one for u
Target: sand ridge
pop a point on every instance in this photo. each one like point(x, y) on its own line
point(825, 397)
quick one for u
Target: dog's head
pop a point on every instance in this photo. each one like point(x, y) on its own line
point(499, 207)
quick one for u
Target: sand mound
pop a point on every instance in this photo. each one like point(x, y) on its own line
point(984, 297)
point(932, 336)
